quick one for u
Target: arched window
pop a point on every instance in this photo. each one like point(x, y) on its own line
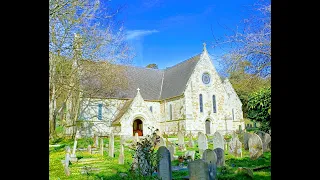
point(100, 111)
point(151, 108)
point(232, 114)
point(170, 111)
point(201, 105)
point(214, 103)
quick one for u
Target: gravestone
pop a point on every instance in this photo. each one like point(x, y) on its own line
point(164, 166)
point(162, 142)
point(73, 157)
point(111, 145)
point(136, 138)
point(101, 146)
point(220, 156)
point(181, 140)
point(235, 147)
point(209, 156)
point(191, 154)
point(89, 149)
point(66, 162)
point(121, 155)
point(198, 170)
point(246, 137)
point(255, 146)
point(95, 140)
point(218, 140)
point(212, 168)
point(190, 143)
point(266, 139)
point(202, 143)
point(171, 150)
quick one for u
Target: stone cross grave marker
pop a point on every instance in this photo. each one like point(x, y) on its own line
point(111, 145)
point(255, 146)
point(220, 156)
point(164, 166)
point(198, 170)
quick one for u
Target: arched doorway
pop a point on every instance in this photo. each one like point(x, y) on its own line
point(137, 127)
point(207, 126)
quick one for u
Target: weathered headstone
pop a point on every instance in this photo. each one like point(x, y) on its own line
point(246, 137)
point(164, 166)
point(209, 156)
point(190, 143)
point(191, 154)
point(218, 140)
point(212, 171)
point(95, 140)
point(220, 156)
point(121, 155)
point(181, 140)
point(235, 147)
point(111, 145)
point(198, 170)
point(255, 146)
point(73, 157)
point(89, 149)
point(66, 161)
point(202, 143)
point(101, 146)
point(266, 139)
point(171, 150)
point(162, 142)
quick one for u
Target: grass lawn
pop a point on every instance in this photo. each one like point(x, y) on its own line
point(110, 169)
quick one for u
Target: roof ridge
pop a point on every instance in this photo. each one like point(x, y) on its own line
point(192, 57)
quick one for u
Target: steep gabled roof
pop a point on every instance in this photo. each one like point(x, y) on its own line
point(176, 77)
point(124, 109)
point(156, 84)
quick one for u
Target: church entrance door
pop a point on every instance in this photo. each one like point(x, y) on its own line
point(207, 126)
point(137, 127)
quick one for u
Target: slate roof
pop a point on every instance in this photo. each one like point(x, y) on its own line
point(156, 84)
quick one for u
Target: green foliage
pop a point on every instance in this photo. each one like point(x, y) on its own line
point(259, 108)
point(153, 66)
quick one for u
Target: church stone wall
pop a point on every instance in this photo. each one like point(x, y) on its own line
point(195, 120)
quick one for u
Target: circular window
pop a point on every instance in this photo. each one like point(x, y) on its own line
point(206, 78)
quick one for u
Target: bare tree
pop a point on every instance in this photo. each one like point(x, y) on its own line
point(78, 30)
point(250, 46)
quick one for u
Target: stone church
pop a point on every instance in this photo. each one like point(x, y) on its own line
point(189, 97)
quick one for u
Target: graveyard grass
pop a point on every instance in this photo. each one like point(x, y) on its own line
point(110, 169)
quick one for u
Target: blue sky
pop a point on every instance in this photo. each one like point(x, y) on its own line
point(167, 32)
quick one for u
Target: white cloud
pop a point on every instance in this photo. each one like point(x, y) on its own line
point(135, 34)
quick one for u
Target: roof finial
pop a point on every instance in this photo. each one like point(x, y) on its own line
point(138, 89)
point(204, 46)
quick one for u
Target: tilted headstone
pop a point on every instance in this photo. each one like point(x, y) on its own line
point(246, 137)
point(164, 166)
point(191, 154)
point(171, 150)
point(198, 170)
point(209, 156)
point(111, 145)
point(235, 147)
point(66, 161)
point(266, 139)
point(202, 143)
point(73, 157)
point(255, 146)
point(89, 149)
point(121, 155)
point(101, 146)
point(218, 140)
point(95, 140)
point(220, 157)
